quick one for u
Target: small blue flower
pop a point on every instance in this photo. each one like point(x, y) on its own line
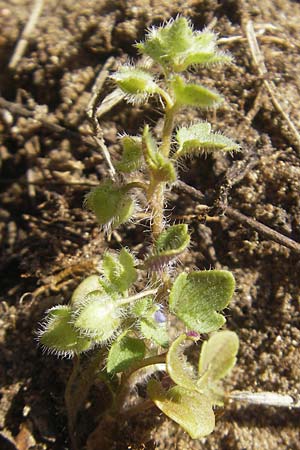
point(159, 317)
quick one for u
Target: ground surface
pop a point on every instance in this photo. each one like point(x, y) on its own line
point(48, 240)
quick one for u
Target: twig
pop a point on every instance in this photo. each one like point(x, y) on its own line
point(232, 213)
point(258, 60)
point(265, 398)
point(91, 111)
point(26, 33)
point(264, 39)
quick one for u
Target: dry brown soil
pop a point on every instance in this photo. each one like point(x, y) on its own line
point(48, 241)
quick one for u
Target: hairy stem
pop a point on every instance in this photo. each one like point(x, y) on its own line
point(156, 191)
point(167, 131)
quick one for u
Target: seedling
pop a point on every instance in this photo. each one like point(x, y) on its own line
point(114, 330)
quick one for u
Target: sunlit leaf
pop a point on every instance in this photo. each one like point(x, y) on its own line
point(58, 334)
point(120, 270)
point(98, 316)
point(136, 83)
point(198, 297)
point(124, 352)
point(176, 46)
point(179, 369)
point(199, 138)
point(111, 204)
point(190, 409)
point(161, 168)
point(189, 94)
point(170, 244)
point(132, 154)
point(89, 284)
point(154, 330)
point(218, 355)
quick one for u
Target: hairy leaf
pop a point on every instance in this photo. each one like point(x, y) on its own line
point(136, 83)
point(125, 351)
point(58, 334)
point(196, 298)
point(120, 271)
point(132, 154)
point(154, 330)
point(142, 306)
point(188, 94)
point(89, 284)
point(169, 244)
point(176, 46)
point(191, 410)
point(198, 137)
point(111, 204)
point(161, 168)
point(97, 317)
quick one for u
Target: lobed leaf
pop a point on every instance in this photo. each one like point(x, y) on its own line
point(176, 46)
point(189, 94)
point(111, 204)
point(198, 137)
point(59, 335)
point(132, 154)
point(191, 410)
point(124, 352)
point(120, 271)
point(196, 298)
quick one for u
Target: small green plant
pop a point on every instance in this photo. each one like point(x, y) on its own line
point(114, 331)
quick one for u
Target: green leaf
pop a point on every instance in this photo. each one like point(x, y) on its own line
point(120, 271)
point(196, 298)
point(179, 369)
point(218, 355)
point(177, 47)
point(141, 307)
point(191, 410)
point(161, 168)
point(170, 244)
point(111, 204)
point(198, 138)
point(188, 94)
point(98, 316)
point(154, 331)
point(89, 284)
point(58, 334)
point(124, 352)
point(164, 44)
point(136, 83)
point(132, 154)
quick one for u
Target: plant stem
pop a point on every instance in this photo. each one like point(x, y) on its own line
point(69, 401)
point(132, 298)
point(167, 131)
point(156, 189)
point(128, 379)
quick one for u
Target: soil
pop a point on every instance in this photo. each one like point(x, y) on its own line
point(49, 242)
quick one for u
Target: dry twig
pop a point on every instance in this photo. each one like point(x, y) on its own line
point(232, 213)
point(26, 34)
point(258, 60)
